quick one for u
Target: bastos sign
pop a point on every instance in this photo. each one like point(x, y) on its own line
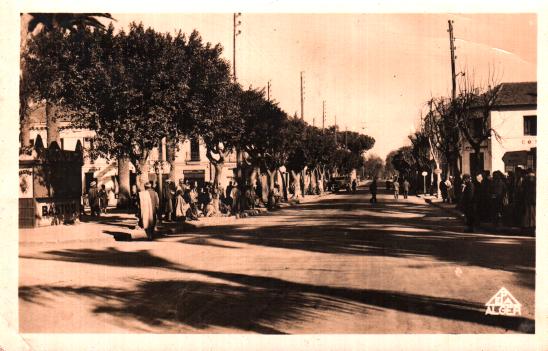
point(50, 185)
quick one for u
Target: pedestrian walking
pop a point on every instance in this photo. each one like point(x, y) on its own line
point(396, 186)
point(406, 186)
point(155, 200)
point(469, 203)
point(354, 185)
point(373, 190)
point(94, 199)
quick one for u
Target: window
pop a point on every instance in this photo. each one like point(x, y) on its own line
point(31, 142)
point(62, 144)
point(529, 125)
point(194, 149)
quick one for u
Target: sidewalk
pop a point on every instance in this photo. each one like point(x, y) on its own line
point(485, 226)
point(123, 226)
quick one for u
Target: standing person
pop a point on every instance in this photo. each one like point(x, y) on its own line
point(468, 202)
point(497, 193)
point(406, 186)
point(519, 196)
point(147, 204)
point(155, 201)
point(235, 196)
point(450, 190)
point(168, 193)
point(529, 200)
point(94, 199)
point(396, 185)
point(103, 198)
point(181, 206)
point(229, 201)
point(443, 190)
point(373, 189)
point(354, 185)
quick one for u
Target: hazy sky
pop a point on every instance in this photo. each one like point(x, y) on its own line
point(375, 71)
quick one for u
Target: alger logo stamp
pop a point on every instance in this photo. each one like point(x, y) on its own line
point(503, 304)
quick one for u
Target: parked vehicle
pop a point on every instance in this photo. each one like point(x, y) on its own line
point(338, 183)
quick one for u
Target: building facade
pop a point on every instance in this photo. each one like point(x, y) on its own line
point(514, 118)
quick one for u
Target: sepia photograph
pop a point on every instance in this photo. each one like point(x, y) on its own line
point(271, 173)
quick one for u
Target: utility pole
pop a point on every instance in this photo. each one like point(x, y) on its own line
point(235, 33)
point(336, 130)
point(453, 57)
point(302, 95)
point(346, 137)
point(323, 115)
point(268, 90)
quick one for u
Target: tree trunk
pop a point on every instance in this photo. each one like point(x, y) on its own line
point(218, 166)
point(52, 126)
point(124, 183)
point(321, 182)
point(265, 188)
point(296, 176)
point(142, 173)
point(284, 185)
point(271, 175)
point(170, 158)
point(302, 176)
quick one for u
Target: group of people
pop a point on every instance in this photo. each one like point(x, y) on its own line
point(394, 184)
point(499, 198)
point(97, 199)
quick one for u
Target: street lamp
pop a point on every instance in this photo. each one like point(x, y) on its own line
point(424, 174)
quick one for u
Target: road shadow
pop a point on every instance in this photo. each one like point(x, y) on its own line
point(260, 304)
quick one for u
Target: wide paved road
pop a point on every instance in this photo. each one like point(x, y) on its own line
point(340, 265)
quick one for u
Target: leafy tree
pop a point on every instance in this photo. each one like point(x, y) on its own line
point(403, 161)
point(264, 140)
point(389, 170)
point(31, 25)
point(296, 153)
point(128, 88)
point(214, 100)
point(373, 166)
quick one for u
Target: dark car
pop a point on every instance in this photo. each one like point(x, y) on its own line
point(338, 183)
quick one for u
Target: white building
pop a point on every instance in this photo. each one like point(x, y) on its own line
point(191, 161)
point(514, 118)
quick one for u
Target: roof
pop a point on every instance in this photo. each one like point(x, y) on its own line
point(517, 94)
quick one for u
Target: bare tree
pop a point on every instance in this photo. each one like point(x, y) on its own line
point(473, 107)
